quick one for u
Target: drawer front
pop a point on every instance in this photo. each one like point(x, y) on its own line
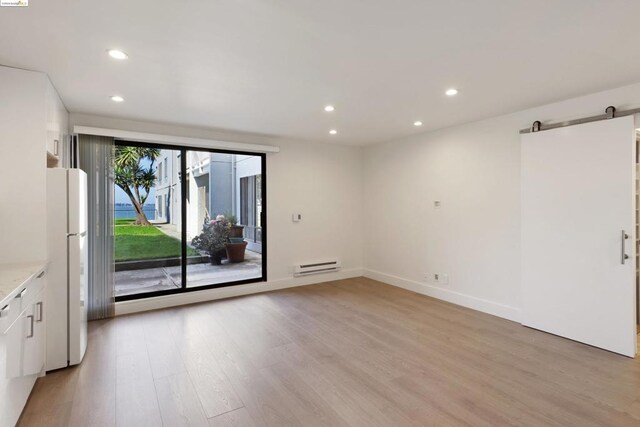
point(15, 337)
point(30, 291)
point(8, 314)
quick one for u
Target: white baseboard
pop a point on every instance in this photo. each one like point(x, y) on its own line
point(154, 303)
point(486, 306)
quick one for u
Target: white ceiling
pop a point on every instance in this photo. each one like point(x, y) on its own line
point(270, 66)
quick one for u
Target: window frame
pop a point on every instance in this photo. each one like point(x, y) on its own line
point(182, 158)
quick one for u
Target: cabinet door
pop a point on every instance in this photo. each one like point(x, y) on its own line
point(14, 344)
point(34, 337)
point(53, 143)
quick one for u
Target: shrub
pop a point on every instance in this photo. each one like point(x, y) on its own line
point(214, 236)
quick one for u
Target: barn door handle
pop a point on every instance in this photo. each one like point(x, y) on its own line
point(623, 256)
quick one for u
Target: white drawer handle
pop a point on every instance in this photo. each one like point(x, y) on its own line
point(30, 317)
point(5, 311)
point(39, 307)
point(40, 275)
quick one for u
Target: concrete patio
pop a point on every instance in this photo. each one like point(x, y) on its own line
point(166, 278)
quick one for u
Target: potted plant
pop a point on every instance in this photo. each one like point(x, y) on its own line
point(213, 239)
point(235, 251)
point(236, 230)
point(237, 245)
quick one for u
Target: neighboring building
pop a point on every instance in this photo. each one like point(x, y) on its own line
point(217, 184)
point(167, 170)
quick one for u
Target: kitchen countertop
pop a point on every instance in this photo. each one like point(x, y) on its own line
point(13, 276)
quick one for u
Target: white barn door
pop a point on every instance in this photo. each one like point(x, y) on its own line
point(578, 195)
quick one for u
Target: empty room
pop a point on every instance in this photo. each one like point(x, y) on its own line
point(314, 213)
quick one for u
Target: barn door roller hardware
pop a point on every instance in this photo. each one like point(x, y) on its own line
point(609, 113)
point(536, 126)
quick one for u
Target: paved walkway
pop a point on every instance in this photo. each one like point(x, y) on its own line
point(165, 278)
point(169, 230)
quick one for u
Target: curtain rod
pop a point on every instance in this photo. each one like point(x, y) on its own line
point(175, 140)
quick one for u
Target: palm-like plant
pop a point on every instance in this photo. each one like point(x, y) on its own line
point(132, 177)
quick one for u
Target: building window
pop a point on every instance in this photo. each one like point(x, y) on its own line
point(251, 207)
point(164, 205)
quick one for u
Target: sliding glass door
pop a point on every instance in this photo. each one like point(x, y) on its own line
point(215, 225)
point(186, 219)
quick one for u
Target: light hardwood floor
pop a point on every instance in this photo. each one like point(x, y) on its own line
point(353, 352)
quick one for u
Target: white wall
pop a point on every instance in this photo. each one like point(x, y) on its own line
point(29, 109)
point(322, 182)
point(474, 237)
point(374, 206)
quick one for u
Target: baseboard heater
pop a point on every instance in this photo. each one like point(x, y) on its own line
point(316, 268)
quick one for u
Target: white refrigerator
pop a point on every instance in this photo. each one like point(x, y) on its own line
point(67, 279)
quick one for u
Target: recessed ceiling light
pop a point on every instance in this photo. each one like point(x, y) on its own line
point(329, 108)
point(117, 98)
point(333, 131)
point(117, 54)
point(418, 123)
point(451, 92)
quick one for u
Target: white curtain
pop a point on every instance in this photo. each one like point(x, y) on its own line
point(96, 159)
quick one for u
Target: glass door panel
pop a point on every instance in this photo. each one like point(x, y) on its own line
point(222, 211)
point(147, 220)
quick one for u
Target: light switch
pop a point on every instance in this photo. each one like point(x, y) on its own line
point(296, 217)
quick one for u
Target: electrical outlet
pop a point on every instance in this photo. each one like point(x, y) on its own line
point(436, 278)
point(430, 277)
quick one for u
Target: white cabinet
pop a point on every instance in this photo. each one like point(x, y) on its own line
point(26, 336)
point(53, 143)
point(33, 337)
point(22, 346)
point(57, 123)
point(31, 117)
point(53, 149)
point(14, 337)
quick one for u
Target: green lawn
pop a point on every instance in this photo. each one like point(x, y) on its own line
point(124, 221)
point(135, 242)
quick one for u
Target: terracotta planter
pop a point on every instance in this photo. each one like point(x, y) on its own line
point(235, 251)
point(236, 231)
